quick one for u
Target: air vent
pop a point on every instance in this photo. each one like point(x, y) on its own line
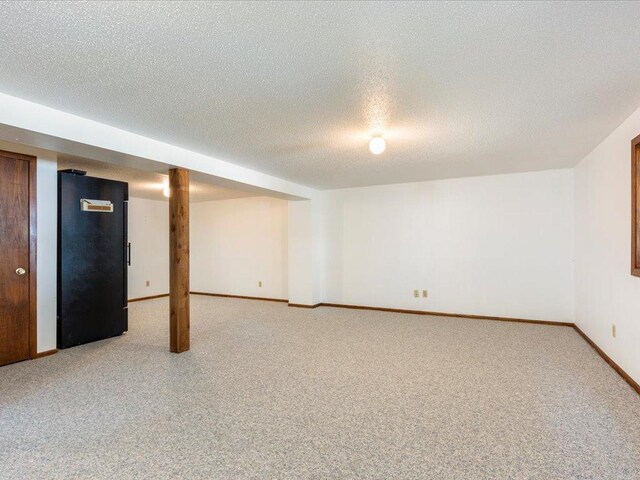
point(101, 206)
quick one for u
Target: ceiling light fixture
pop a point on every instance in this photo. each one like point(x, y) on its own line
point(377, 144)
point(166, 192)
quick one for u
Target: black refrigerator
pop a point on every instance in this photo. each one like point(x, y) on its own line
point(92, 258)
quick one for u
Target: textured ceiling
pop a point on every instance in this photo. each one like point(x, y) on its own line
point(295, 89)
point(143, 184)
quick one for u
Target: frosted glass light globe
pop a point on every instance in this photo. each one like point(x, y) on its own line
point(377, 145)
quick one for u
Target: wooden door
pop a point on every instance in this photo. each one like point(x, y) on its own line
point(15, 257)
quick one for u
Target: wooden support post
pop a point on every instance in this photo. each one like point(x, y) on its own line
point(179, 260)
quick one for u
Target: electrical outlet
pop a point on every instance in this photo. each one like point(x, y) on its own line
point(148, 283)
point(416, 293)
point(424, 293)
point(613, 330)
point(260, 283)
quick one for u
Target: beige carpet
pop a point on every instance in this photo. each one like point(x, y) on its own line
point(269, 391)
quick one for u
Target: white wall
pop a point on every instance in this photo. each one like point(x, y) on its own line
point(306, 241)
point(606, 292)
point(237, 243)
point(149, 238)
point(47, 228)
point(47, 245)
point(496, 245)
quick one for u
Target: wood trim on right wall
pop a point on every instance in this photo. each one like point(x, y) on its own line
point(635, 206)
point(627, 378)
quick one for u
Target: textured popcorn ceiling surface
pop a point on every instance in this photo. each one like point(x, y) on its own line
point(295, 89)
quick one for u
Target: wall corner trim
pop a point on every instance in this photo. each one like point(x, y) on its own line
point(245, 297)
point(139, 299)
point(444, 314)
point(627, 378)
point(45, 354)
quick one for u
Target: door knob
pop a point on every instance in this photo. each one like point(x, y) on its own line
point(20, 271)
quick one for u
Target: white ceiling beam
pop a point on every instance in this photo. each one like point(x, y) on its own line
point(39, 126)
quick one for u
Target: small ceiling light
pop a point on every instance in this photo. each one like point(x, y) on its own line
point(166, 192)
point(377, 145)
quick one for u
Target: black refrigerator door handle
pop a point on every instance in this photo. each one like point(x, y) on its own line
point(129, 254)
